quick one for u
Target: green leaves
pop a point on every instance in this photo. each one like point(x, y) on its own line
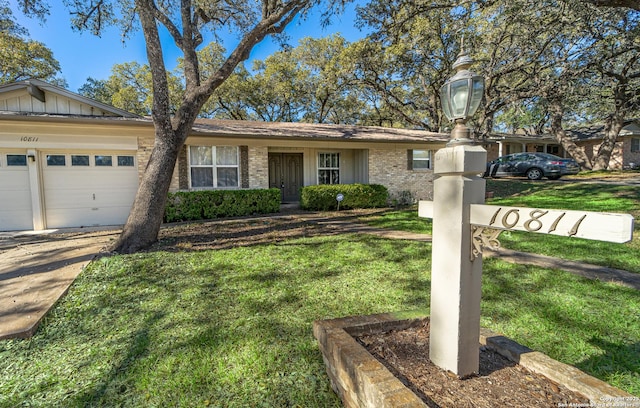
point(20, 57)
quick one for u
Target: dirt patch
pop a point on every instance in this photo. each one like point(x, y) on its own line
point(500, 383)
point(224, 234)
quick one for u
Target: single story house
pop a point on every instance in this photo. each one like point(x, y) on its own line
point(69, 161)
point(626, 153)
point(503, 144)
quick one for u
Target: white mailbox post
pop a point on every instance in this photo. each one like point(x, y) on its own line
point(462, 226)
point(461, 222)
point(455, 277)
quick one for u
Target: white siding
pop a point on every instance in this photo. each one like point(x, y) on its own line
point(15, 196)
point(88, 196)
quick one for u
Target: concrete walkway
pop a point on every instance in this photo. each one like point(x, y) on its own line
point(36, 269)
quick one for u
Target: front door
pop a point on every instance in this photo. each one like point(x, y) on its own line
point(285, 173)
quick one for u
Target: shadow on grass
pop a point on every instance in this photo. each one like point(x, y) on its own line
point(137, 347)
point(618, 361)
point(231, 327)
point(553, 312)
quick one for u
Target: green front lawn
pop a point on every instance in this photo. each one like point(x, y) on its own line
point(232, 328)
point(570, 196)
point(224, 328)
point(573, 196)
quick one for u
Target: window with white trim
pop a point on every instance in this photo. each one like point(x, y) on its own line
point(329, 168)
point(56, 160)
point(80, 160)
point(126, 161)
point(103, 161)
point(420, 160)
point(635, 144)
point(214, 166)
point(16, 160)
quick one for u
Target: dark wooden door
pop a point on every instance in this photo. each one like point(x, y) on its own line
point(285, 173)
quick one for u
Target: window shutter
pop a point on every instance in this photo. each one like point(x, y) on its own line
point(410, 159)
point(244, 166)
point(183, 169)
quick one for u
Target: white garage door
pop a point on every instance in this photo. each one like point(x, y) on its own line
point(15, 194)
point(88, 189)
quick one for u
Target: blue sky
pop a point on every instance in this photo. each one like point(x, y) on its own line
point(82, 55)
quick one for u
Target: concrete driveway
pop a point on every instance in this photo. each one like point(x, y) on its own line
point(37, 268)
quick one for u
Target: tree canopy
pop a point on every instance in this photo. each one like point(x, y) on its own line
point(20, 57)
point(190, 25)
point(545, 64)
point(392, 76)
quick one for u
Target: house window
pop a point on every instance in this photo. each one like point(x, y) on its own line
point(16, 160)
point(56, 160)
point(79, 160)
point(635, 144)
point(420, 160)
point(213, 166)
point(104, 161)
point(329, 168)
point(125, 161)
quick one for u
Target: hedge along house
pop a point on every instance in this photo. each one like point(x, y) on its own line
point(69, 161)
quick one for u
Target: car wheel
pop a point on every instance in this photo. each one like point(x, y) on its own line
point(534, 173)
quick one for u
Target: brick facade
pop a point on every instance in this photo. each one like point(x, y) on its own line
point(183, 169)
point(390, 168)
point(145, 146)
point(244, 166)
point(258, 167)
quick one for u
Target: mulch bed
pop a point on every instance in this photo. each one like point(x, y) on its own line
point(500, 383)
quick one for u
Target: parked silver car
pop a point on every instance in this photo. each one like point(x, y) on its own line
point(532, 165)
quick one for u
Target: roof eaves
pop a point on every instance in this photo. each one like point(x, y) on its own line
point(41, 85)
point(306, 131)
point(10, 115)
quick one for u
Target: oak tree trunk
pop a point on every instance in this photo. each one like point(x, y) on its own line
point(172, 128)
point(561, 136)
point(612, 129)
point(147, 213)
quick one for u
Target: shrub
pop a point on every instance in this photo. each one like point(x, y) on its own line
point(402, 198)
point(203, 205)
point(323, 197)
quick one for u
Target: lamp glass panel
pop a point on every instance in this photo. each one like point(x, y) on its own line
point(459, 98)
point(476, 94)
point(444, 100)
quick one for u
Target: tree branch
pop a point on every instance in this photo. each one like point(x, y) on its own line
point(632, 4)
